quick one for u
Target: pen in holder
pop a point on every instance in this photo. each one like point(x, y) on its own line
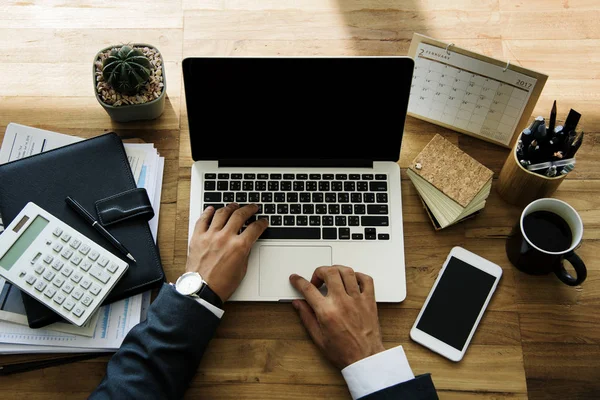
point(519, 186)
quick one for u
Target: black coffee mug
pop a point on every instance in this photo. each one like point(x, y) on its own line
point(547, 233)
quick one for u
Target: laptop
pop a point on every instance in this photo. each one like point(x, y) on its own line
point(314, 141)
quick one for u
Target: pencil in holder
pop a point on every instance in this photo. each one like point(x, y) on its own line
point(519, 186)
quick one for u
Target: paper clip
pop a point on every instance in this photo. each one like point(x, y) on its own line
point(447, 47)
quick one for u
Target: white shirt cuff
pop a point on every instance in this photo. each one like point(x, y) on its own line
point(377, 372)
point(213, 309)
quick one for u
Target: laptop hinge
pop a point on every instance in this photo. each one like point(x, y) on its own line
point(283, 162)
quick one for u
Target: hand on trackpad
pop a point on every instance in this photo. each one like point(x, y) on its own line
point(277, 263)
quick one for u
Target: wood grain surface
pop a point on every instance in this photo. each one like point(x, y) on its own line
point(540, 339)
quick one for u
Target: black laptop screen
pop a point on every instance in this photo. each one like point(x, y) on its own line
point(297, 108)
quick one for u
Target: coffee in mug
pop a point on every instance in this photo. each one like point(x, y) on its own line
point(547, 233)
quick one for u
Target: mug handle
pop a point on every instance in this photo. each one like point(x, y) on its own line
point(577, 264)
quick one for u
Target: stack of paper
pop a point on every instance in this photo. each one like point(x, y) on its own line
point(452, 185)
point(107, 329)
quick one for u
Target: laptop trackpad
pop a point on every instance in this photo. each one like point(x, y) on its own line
point(277, 263)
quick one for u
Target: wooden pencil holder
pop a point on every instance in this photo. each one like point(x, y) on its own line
point(518, 186)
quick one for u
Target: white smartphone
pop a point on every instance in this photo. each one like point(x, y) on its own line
point(456, 303)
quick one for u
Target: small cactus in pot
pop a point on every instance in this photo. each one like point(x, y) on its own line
point(129, 81)
point(126, 70)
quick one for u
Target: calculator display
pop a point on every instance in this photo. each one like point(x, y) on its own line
point(23, 242)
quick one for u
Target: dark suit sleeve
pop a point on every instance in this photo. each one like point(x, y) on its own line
point(420, 388)
point(159, 357)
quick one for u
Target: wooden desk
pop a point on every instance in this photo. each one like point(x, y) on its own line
point(540, 339)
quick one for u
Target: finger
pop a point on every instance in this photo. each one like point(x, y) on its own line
point(203, 222)
point(366, 284)
point(310, 322)
point(349, 279)
point(254, 230)
point(309, 291)
point(331, 277)
point(239, 217)
point(222, 216)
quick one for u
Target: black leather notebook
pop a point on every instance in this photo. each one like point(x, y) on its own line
point(88, 171)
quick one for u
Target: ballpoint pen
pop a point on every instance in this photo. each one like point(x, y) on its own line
point(96, 225)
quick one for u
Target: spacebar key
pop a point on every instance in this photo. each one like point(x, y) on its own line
point(291, 233)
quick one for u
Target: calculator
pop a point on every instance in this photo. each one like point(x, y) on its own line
point(57, 265)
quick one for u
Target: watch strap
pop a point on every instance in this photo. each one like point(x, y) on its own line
point(207, 294)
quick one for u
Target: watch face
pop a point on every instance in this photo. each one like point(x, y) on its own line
point(189, 283)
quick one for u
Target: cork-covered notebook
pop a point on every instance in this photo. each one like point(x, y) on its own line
point(452, 184)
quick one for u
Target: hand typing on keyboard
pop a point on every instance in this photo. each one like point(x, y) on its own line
point(218, 251)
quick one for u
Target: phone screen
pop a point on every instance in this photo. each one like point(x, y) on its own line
point(456, 303)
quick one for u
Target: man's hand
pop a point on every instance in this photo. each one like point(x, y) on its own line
point(343, 324)
point(218, 251)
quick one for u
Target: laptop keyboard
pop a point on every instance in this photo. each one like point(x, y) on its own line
point(308, 206)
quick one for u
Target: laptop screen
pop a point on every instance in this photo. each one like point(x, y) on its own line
point(295, 108)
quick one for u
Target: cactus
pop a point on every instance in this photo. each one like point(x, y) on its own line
point(126, 70)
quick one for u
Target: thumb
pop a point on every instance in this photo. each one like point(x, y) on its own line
point(310, 322)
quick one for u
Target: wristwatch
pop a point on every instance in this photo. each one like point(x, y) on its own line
point(191, 284)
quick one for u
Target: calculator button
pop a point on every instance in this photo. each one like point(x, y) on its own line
point(41, 285)
point(94, 255)
point(48, 259)
point(65, 237)
point(57, 247)
point(76, 260)
point(39, 269)
point(86, 265)
point(68, 288)
point(67, 253)
point(99, 274)
point(67, 271)
point(49, 275)
point(69, 304)
point(75, 243)
point(85, 283)
point(95, 290)
point(57, 231)
point(84, 249)
point(35, 258)
point(48, 241)
point(112, 268)
point(76, 277)
point(50, 292)
point(78, 311)
point(57, 265)
point(30, 279)
point(77, 294)
point(59, 298)
point(103, 261)
point(58, 282)
point(87, 300)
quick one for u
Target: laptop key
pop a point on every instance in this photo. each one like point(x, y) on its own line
point(382, 198)
point(297, 208)
point(236, 176)
point(370, 233)
point(311, 186)
point(374, 221)
point(302, 176)
point(288, 176)
point(222, 185)
point(223, 176)
point(212, 197)
point(289, 220)
point(209, 176)
point(228, 197)
point(353, 220)
point(329, 233)
point(324, 186)
point(275, 220)
point(241, 197)
point(315, 177)
point(248, 186)
point(292, 233)
point(378, 186)
point(357, 236)
point(292, 197)
point(336, 186)
point(210, 185)
point(341, 177)
point(216, 206)
point(380, 177)
point(304, 197)
point(263, 176)
point(367, 177)
point(369, 197)
point(383, 236)
point(346, 209)
point(279, 197)
point(377, 209)
point(354, 177)
point(275, 176)
point(340, 220)
point(317, 198)
point(286, 186)
point(301, 220)
point(254, 197)
point(235, 185)
point(362, 186)
point(261, 186)
point(328, 177)
point(327, 220)
point(344, 233)
point(249, 176)
point(266, 197)
point(314, 220)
